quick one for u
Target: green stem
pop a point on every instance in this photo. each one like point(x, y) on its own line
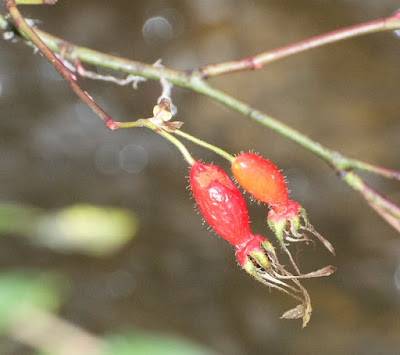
point(344, 163)
point(266, 120)
point(72, 52)
point(143, 122)
point(204, 144)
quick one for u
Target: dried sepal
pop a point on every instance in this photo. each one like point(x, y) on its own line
point(162, 117)
point(307, 226)
point(300, 311)
point(266, 269)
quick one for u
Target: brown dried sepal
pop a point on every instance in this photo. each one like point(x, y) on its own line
point(162, 116)
point(273, 274)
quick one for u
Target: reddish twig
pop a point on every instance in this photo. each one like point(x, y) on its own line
point(258, 61)
point(385, 208)
point(71, 78)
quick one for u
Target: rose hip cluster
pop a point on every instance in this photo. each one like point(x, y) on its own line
point(224, 208)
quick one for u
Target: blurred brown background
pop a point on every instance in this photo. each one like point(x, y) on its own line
point(175, 276)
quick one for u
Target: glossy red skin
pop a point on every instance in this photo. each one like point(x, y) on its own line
point(260, 178)
point(221, 203)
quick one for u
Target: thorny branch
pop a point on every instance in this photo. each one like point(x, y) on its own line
point(50, 45)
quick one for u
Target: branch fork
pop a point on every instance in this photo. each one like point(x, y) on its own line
point(48, 45)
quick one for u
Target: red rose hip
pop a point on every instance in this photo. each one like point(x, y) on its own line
point(224, 209)
point(260, 178)
point(220, 202)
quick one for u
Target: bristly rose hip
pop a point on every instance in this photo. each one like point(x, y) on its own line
point(265, 183)
point(224, 209)
point(221, 203)
point(261, 179)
